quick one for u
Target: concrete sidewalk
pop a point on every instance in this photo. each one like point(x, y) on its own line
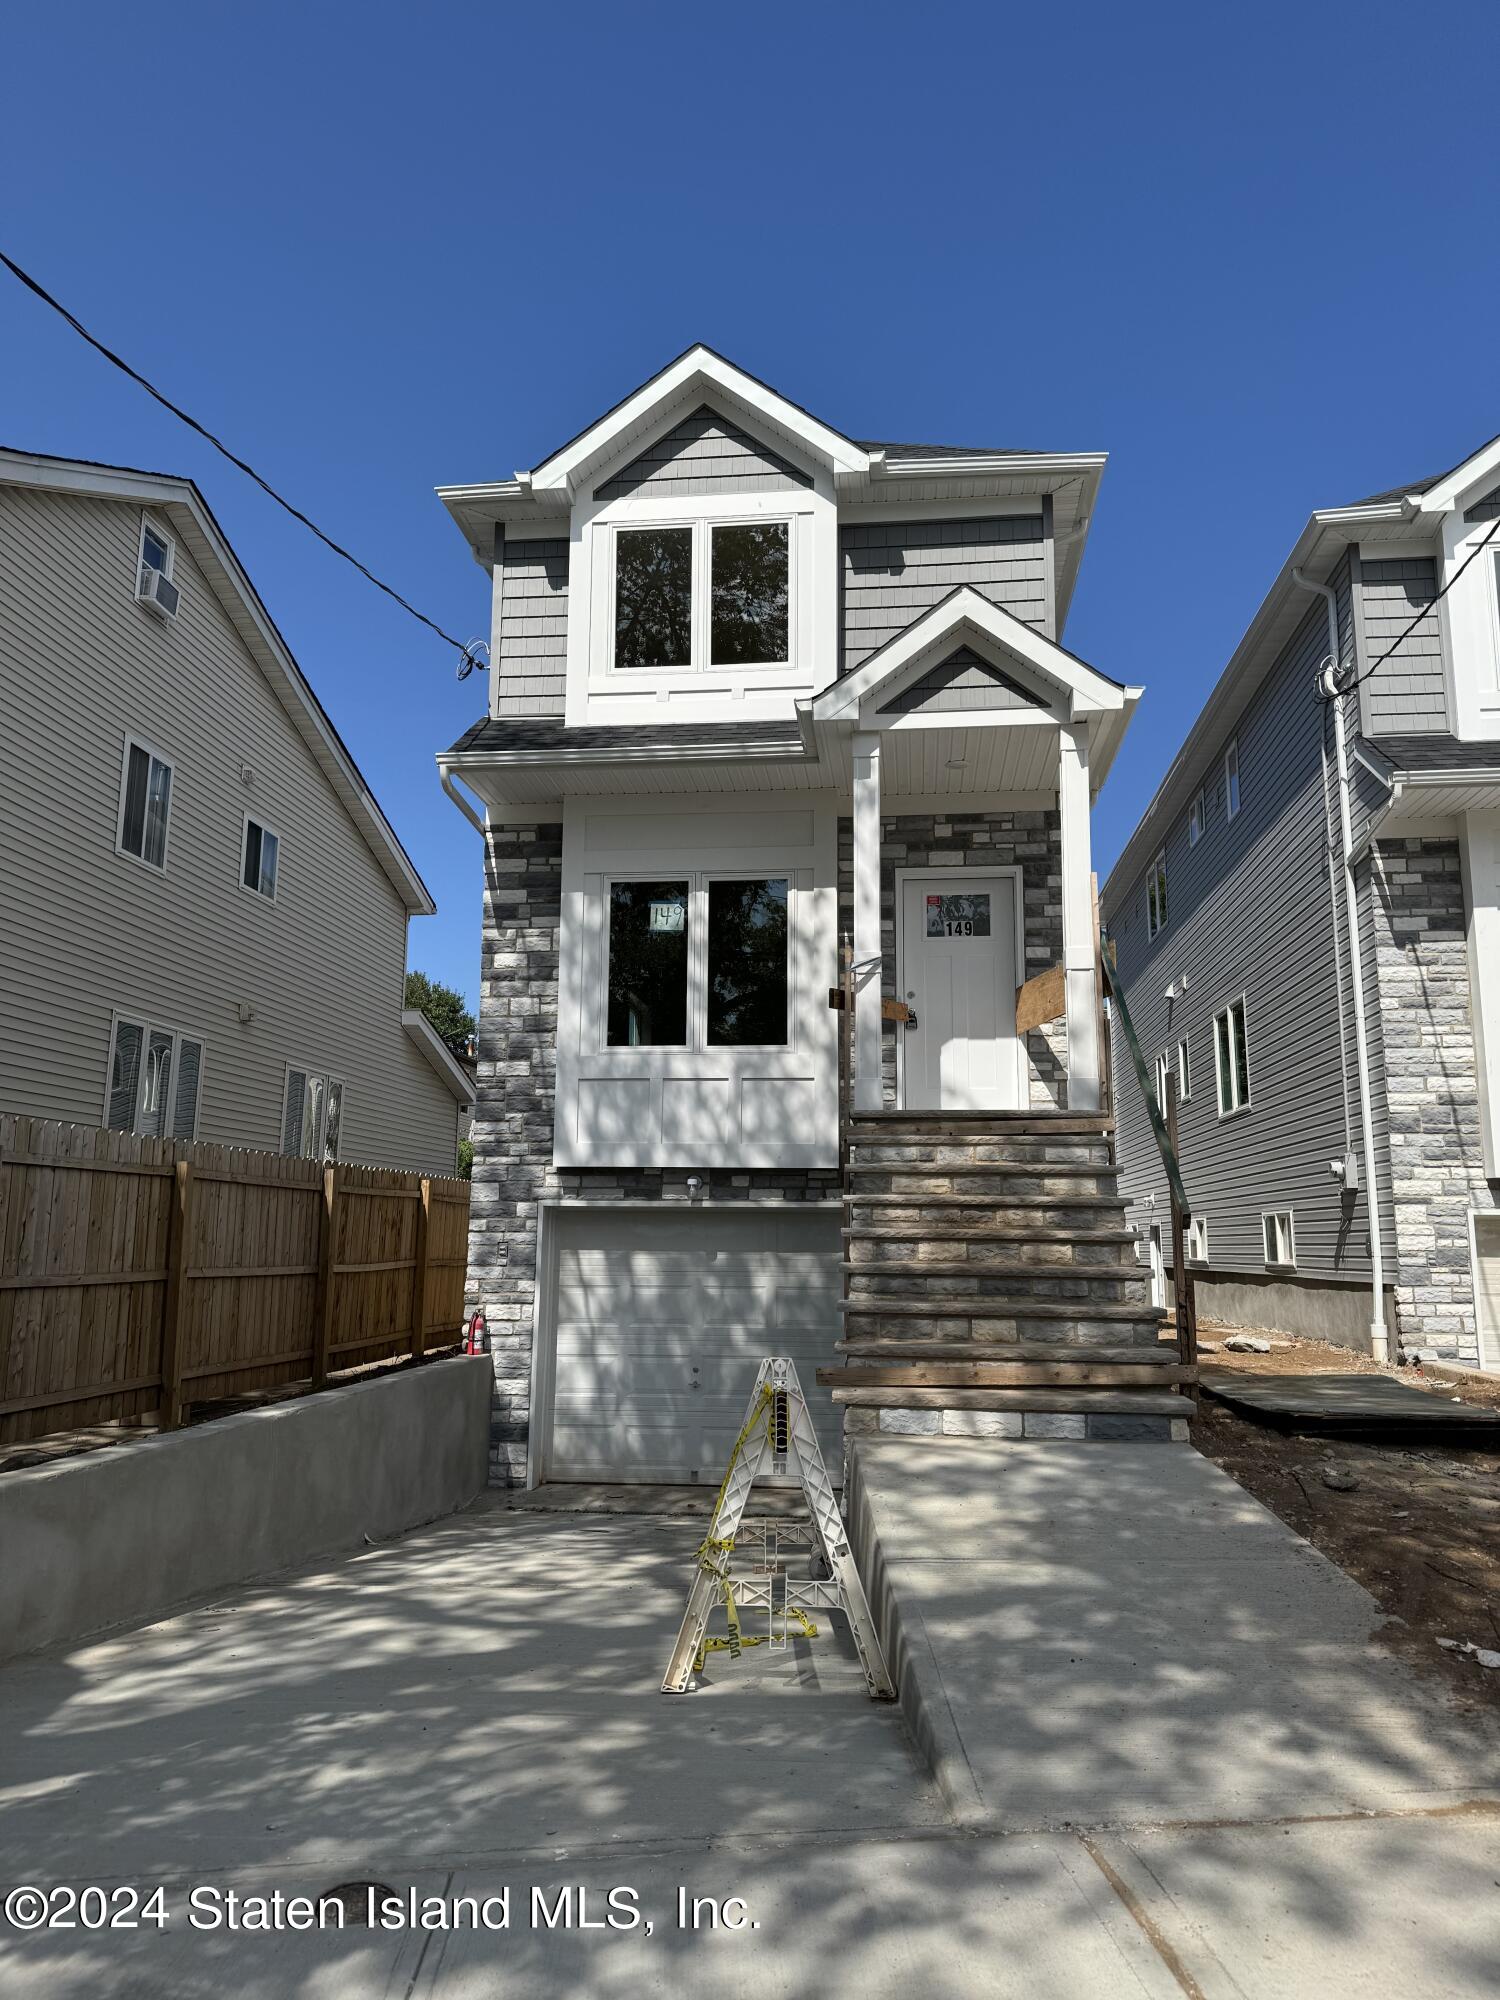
point(1092, 1635)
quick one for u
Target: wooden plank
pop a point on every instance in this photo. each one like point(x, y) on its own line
point(327, 1265)
point(61, 1398)
point(1043, 998)
point(1002, 1374)
point(80, 1280)
point(178, 1239)
point(419, 1274)
point(890, 1010)
point(138, 1169)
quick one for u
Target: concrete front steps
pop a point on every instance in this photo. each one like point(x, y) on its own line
point(991, 1285)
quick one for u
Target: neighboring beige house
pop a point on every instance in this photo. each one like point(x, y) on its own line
point(204, 907)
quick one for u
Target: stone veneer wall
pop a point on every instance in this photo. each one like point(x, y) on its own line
point(516, 1083)
point(1031, 840)
point(1432, 1090)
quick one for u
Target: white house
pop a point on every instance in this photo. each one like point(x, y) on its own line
point(755, 684)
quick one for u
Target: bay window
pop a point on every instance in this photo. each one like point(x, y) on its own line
point(698, 962)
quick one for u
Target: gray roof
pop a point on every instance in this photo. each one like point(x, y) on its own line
point(1437, 753)
point(611, 738)
point(1418, 485)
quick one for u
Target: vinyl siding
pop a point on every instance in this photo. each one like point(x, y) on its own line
point(705, 453)
point(531, 627)
point(1405, 695)
point(88, 931)
point(1250, 912)
point(1487, 508)
point(962, 681)
point(890, 572)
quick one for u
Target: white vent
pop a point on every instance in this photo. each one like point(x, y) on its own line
point(157, 593)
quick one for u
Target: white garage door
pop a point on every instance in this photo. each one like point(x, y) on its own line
point(662, 1318)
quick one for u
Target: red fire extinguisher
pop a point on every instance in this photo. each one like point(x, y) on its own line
point(477, 1338)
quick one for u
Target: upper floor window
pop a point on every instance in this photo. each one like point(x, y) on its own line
point(1163, 1071)
point(145, 804)
point(1195, 821)
point(153, 575)
point(1184, 1071)
point(154, 1079)
point(716, 594)
point(1232, 1059)
point(1156, 895)
point(702, 962)
point(261, 857)
point(1232, 780)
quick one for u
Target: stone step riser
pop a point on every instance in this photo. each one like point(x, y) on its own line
point(981, 1153)
point(1080, 1332)
point(982, 1180)
point(1020, 1426)
point(1014, 1219)
point(1054, 1289)
point(1046, 1259)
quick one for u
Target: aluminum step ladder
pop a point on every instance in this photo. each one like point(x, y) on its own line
point(777, 1426)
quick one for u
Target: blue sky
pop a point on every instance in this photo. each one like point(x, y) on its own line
point(1250, 252)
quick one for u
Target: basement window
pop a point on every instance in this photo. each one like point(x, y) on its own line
point(1196, 1242)
point(1280, 1242)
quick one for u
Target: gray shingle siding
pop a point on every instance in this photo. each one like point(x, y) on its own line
point(705, 453)
point(1249, 912)
point(962, 681)
point(1406, 694)
point(892, 571)
point(531, 622)
point(1485, 509)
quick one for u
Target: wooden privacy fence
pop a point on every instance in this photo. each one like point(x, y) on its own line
point(138, 1274)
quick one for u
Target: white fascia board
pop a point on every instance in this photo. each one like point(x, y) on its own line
point(181, 500)
point(634, 753)
point(1052, 466)
point(699, 366)
point(1464, 484)
point(966, 611)
point(444, 1062)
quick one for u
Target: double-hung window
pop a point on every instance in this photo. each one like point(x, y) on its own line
point(155, 1077)
point(1280, 1242)
point(712, 594)
point(260, 860)
point(312, 1112)
point(698, 961)
point(145, 804)
point(1232, 1059)
point(1156, 895)
point(1196, 820)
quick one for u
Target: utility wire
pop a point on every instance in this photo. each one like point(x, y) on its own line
point(1398, 642)
point(468, 659)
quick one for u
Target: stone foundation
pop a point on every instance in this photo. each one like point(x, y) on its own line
point(1071, 1425)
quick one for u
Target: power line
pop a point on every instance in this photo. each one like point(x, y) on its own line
point(468, 657)
point(1432, 602)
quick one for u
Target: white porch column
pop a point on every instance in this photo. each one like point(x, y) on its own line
point(1079, 976)
point(867, 922)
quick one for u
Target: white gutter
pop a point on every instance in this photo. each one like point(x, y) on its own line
point(445, 773)
point(1328, 684)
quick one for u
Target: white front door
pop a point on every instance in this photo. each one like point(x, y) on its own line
point(957, 972)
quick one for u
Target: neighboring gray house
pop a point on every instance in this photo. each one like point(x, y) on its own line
point(755, 685)
point(1314, 1066)
point(205, 909)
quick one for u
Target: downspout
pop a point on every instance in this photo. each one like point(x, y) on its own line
point(1328, 686)
point(445, 773)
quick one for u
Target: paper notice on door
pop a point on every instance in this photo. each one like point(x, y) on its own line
point(958, 916)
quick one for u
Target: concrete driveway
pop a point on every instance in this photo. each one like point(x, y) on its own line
point(474, 1710)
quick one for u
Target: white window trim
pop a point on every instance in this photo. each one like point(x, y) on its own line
point(135, 742)
point(1236, 1110)
point(1157, 872)
point(702, 526)
point(311, 1072)
point(1231, 792)
point(265, 826)
point(1163, 1071)
point(1488, 1339)
point(1289, 1262)
point(1198, 811)
point(1184, 1071)
point(168, 541)
point(1195, 1244)
point(149, 1024)
point(697, 880)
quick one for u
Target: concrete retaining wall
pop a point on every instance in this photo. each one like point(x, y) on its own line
point(123, 1535)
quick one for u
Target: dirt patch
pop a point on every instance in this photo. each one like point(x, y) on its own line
point(1420, 1530)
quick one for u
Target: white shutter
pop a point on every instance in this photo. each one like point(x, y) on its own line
point(189, 1071)
point(291, 1120)
point(124, 1075)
